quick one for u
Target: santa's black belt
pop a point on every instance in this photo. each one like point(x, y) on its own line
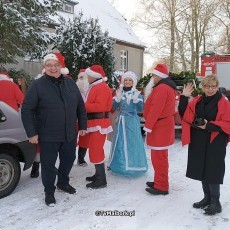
point(99, 115)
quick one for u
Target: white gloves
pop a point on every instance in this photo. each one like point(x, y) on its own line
point(119, 94)
point(135, 96)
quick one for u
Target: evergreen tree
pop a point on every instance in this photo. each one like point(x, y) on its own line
point(83, 44)
point(21, 28)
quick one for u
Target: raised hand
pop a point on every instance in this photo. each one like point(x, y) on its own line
point(188, 90)
point(135, 96)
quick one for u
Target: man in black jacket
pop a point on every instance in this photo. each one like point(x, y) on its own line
point(52, 106)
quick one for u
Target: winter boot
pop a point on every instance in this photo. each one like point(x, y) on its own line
point(100, 181)
point(155, 191)
point(207, 198)
point(91, 178)
point(203, 203)
point(215, 206)
point(35, 170)
point(81, 155)
point(150, 184)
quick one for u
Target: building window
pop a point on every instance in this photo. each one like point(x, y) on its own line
point(68, 8)
point(124, 59)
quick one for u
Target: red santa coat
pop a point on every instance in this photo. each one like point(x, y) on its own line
point(159, 113)
point(11, 94)
point(99, 99)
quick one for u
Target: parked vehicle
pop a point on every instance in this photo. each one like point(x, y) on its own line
point(14, 148)
point(218, 64)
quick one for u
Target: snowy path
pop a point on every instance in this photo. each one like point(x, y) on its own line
point(25, 208)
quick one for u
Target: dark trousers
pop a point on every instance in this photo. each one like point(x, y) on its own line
point(49, 153)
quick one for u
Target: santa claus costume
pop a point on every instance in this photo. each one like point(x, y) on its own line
point(98, 105)
point(127, 154)
point(159, 113)
point(83, 85)
point(10, 92)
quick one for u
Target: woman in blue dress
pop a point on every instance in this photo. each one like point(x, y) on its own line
point(127, 154)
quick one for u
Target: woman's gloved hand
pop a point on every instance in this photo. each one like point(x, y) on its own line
point(135, 96)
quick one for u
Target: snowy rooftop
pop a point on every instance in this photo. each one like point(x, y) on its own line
point(109, 18)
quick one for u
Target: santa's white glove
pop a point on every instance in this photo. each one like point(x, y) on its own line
point(119, 94)
point(135, 96)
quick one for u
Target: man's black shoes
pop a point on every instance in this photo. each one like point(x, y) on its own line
point(150, 184)
point(155, 191)
point(50, 199)
point(67, 188)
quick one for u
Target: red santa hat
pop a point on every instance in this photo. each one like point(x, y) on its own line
point(161, 70)
point(96, 71)
point(129, 74)
point(5, 76)
point(57, 57)
point(82, 73)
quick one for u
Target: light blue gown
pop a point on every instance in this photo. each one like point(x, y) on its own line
point(127, 154)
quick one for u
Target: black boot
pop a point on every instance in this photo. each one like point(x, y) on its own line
point(203, 203)
point(206, 200)
point(81, 155)
point(35, 170)
point(50, 199)
point(155, 191)
point(215, 206)
point(91, 178)
point(150, 184)
point(100, 181)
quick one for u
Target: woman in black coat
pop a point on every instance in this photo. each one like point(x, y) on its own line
point(205, 127)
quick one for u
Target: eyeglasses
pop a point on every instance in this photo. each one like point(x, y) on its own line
point(51, 66)
point(210, 86)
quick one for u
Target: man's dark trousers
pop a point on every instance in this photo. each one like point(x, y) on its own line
point(49, 152)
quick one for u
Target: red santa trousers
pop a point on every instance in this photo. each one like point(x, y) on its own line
point(83, 141)
point(160, 165)
point(96, 142)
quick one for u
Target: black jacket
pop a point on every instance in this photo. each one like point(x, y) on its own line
point(51, 109)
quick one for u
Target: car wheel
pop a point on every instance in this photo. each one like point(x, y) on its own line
point(10, 172)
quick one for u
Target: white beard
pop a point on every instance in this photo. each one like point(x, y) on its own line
point(148, 89)
point(83, 86)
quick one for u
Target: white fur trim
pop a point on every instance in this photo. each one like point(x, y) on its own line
point(50, 57)
point(159, 148)
point(137, 100)
point(159, 74)
point(101, 130)
point(131, 75)
point(99, 162)
point(4, 77)
point(93, 74)
point(125, 149)
point(147, 130)
point(64, 71)
point(105, 78)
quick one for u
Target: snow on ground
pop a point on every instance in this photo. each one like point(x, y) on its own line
point(25, 207)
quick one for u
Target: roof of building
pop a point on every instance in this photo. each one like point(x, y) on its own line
point(109, 19)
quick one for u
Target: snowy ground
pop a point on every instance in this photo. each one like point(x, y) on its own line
point(25, 208)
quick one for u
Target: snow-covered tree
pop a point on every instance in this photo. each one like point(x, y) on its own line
point(21, 28)
point(83, 44)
